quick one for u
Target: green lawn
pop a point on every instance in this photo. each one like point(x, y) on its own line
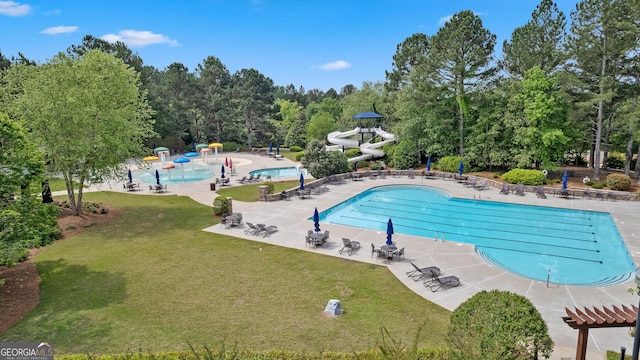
point(152, 280)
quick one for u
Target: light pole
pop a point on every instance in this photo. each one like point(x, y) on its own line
point(636, 338)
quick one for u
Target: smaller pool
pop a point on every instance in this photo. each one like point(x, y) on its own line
point(277, 172)
point(175, 175)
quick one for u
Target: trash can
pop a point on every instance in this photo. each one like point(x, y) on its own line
point(213, 186)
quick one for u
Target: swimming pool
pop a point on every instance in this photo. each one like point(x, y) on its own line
point(572, 247)
point(175, 175)
point(277, 172)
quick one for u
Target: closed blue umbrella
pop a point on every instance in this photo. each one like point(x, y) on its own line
point(157, 178)
point(193, 144)
point(316, 220)
point(429, 163)
point(270, 147)
point(222, 172)
point(129, 175)
point(460, 168)
point(301, 182)
point(355, 166)
point(278, 149)
point(389, 232)
point(564, 181)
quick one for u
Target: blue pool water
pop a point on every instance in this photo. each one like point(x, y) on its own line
point(175, 175)
point(572, 247)
point(276, 172)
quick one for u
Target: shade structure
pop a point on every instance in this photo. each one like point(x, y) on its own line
point(150, 158)
point(168, 167)
point(368, 115)
point(222, 172)
point(389, 232)
point(157, 177)
point(460, 168)
point(205, 155)
point(200, 147)
point(129, 175)
point(215, 145)
point(278, 149)
point(301, 182)
point(159, 149)
point(191, 154)
point(565, 180)
point(316, 220)
point(181, 161)
point(429, 163)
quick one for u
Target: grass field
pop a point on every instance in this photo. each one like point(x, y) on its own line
point(153, 281)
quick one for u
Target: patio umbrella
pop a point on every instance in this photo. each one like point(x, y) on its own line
point(226, 161)
point(230, 164)
point(389, 232)
point(193, 144)
point(316, 220)
point(429, 163)
point(131, 177)
point(564, 181)
point(278, 149)
point(270, 147)
point(157, 177)
point(355, 166)
point(301, 182)
point(460, 168)
point(222, 172)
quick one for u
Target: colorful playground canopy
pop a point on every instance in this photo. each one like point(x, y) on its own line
point(215, 145)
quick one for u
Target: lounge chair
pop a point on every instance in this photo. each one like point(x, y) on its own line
point(257, 178)
point(285, 195)
point(471, 182)
point(380, 174)
point(250, 229)
point(520, 190)
point(250, 179)
point(482, 185)
point(586, 193)
point(429, 272)
point(439, 282)
point(271, 229)
point(410, 174)
point(242, 181)
point(349, 245)
point(259, 228)
point(540, 192)
point(505, 189)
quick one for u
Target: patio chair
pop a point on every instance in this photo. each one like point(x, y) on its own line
point(471, 182)
point(439, 282)
point(586, 193)
point(540, 192)
point(349, 245)
point(285, 195)
point(326, 238)
point(398, 253)
point(271, 229)
point(374, 250)
point(380, 174)
point(520, 190)
point(410, 174)
point(505, 189)
point(425, 272)
point(308, 240)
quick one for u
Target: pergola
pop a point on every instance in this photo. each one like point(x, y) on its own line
point(594, 318)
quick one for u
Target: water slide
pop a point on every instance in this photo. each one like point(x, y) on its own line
point(369, 150)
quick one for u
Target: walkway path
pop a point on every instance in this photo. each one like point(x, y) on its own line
point(292, 219)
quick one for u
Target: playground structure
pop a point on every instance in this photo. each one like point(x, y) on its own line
point(369, 149)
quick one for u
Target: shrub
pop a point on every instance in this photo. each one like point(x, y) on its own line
point(295, 148)
point(405, 155)
point(615, 160)
point(270, 185)
point(496, 175)
point(524, 176)
point(389, 149)
point(231, 146)
point(375, 166)
point(299, 155)
point(450, 164)
point(599, 185)
point(619, 182)
point(362, 164)
point(352, 153)
point(221, 205)
point(590, 183)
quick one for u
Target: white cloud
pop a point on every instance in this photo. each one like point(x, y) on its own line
point(443, 20)
point(59, 30)
point(336, 65)
point(11, 8)
point(135, 38)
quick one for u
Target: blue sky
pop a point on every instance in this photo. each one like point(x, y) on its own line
point(312, 43)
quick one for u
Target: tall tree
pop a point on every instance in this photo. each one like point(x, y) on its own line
point(412, 52)
point(600, 37)
point(538, 43)
point(214, 87)
point(253, 95)
point(117, 49)
point(88, 114)
point(461, 54)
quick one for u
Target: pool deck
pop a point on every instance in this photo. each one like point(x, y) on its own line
point(459, 259)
